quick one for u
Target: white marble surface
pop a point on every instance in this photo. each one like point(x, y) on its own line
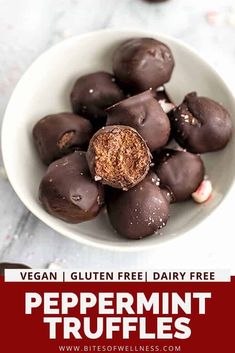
point(27, 28)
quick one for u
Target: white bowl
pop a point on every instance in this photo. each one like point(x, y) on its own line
point(45, 89)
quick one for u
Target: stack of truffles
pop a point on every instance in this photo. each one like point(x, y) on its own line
point(112, 150)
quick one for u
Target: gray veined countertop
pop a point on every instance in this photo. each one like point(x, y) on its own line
point(27, 28)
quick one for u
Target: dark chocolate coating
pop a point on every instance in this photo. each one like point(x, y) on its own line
point(68, 192)
point(143, 113)
point(142, 63)
point(120, 183)
point(92, 94)
point(201, 125)
point(180, 172)
point(60, 134)
point(8, 265)
point(139, 212)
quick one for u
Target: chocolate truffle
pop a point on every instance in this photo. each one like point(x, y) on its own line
point(142, 63)
point(60, 134)
point(140, 211)
point(180, 172)
point(13, 266)
point(201, 125)
point(92, 94)
point(118, 156)
point(68, 192)
point(143, 113)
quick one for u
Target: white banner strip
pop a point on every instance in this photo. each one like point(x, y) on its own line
point(117, 276)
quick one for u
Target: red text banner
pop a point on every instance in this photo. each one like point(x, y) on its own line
point(188, 317)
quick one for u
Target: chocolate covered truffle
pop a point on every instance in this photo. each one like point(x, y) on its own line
point(143, 113)
point(60, 134)
point(140, 211)
point(180, 172)
point(11, 266)
point(68, 192)
point(142, 63)
point(92, 94)
point(201, 125)
point(118, 156)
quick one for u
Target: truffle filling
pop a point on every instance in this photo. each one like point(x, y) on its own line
point(120, 156)
point(65, 140)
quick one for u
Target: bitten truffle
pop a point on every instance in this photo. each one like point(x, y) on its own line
point(92, 94)
point(68, 192)
point(180, 172)
point(143, 113)
point(142, 63)
point(60, 134)
point(140, 211)
point(201, 125)
point(11, 266)
point(118, 156)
